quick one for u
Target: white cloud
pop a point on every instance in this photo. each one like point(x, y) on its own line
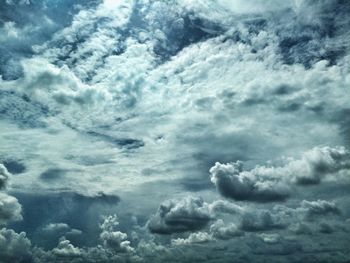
point(197, 237)
point(113, 239)
point(10, 209)
point(4, 175)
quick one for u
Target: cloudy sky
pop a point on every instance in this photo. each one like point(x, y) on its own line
point(174, 131)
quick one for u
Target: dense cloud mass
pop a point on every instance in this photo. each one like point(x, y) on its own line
point(274, 183)
point(180, 216)
point(215, 130)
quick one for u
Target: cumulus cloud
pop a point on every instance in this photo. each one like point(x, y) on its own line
point(319, 162)
point(173, 216)
point(112, 239)
point(198, 237)
point(4, 175)
point(14, 247)
point(100, 88)
point(10, 209)
point(65, 249)
point(220, 230)
point(264, 183)
point(234, 183)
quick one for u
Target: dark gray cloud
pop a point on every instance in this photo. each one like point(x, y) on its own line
point(261, 221)
point(319, 208)
point(14, 166)
point(52, 174)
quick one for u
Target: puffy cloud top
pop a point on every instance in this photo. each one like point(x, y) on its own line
point(4, 175)
point(174, 216)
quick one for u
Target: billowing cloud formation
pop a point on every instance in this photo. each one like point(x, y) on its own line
point(112, 239)
point(198, 237)
point(232, 182)
point(274, 183)
point(14, 247)
point(10, 209)
point(103, 99)
point(174, 216)
point(66, 250)
point(317, 163)
point(220, 230)
point(4, 175)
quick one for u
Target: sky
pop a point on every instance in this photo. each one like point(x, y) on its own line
point(174, 131)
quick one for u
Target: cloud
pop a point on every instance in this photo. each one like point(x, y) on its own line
point(4, 175)
point(198, 237)
point(14, 247)
point(112, 239)
point(223, 231)
point(173, 216)
point(314, 209)
point(10, 209)
point(59, 230)
point(223, 206)
point(128, 96)
point(263, 183)
point(232, 182)
point(270, 238)
point(319, 162)
point(262, 220)
point(66, 250)
point(14, 166)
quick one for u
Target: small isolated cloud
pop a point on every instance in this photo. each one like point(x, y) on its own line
point(173, 216)
point(270, 238)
